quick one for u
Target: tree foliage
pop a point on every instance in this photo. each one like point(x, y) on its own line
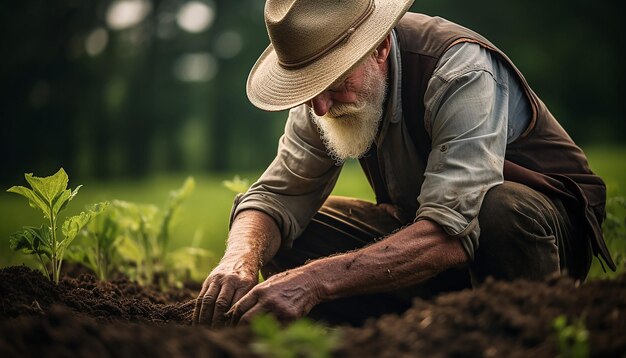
point(106, 101)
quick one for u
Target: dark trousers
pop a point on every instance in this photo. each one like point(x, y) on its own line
point(524, 234)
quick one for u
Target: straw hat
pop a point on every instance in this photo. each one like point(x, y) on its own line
point(313, 43)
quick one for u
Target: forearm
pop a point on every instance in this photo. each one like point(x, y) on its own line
point(253, 240)
point(410, 256)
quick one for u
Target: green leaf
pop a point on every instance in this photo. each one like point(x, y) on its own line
point(50, 187)
point(129, 249)
point(129, 215)
point(50, 194)
point(63, 199)
point(34, 200)
point(177, 196)
point(302, 338)
point(77, 254)
point(32, 240)
point(73, 225)
point(187, 261)
point(265, 325)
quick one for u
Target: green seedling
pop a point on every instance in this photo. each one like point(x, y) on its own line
point(100, 240)
point(302, 338)
point(614, 229)
point(145, 237)
point(51, 196)
point(573, 339)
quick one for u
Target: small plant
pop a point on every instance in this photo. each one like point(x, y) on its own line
point(99, 251)
point(302, 338)
point(614, 229)
point(51, 196)
point(573, 339)
point(144, 237)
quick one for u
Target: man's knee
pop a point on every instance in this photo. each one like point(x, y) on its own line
point(518, 234)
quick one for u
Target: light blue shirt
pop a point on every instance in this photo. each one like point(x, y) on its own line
point(474, 107)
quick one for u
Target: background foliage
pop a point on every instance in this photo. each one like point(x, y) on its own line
point(110, 88)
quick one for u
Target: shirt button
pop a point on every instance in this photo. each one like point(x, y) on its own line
point(443, 148)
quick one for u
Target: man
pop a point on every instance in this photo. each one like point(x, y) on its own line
point(473, 176)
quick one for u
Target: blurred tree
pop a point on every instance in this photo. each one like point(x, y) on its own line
point(125, 88)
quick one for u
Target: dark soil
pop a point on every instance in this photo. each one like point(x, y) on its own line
point(85, 317)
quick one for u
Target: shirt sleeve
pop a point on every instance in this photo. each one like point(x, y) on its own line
point(466, 117)
point(297, 182)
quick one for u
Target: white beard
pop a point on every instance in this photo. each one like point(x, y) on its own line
point(348, 130)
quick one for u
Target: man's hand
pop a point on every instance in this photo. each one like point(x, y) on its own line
point(224, 286)
point(254, 238)
point(409, 256)
point(288, 295)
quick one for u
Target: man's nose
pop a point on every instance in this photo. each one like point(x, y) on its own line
point(322, 103)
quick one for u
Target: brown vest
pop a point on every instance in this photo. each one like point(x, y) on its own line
point(544, 157)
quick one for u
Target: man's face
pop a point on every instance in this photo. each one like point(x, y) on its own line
point(348, 113)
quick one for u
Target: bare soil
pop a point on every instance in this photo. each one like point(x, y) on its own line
point(86, 317)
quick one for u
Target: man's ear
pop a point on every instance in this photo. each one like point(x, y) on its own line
point(382, 51)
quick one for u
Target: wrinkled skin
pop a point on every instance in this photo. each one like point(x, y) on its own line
point(231, 295)
point(254, 239)
point(288, 295)
point(226, 284)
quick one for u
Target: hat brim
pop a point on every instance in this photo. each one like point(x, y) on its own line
point(271, 87)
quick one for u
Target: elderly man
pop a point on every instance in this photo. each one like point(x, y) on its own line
point(473, 176)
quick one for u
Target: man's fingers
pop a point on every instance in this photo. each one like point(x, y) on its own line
point(208, 303)
point(240, 308)
point(239, 294)
point(196, 310)
point(245, 319)
point(222, 304)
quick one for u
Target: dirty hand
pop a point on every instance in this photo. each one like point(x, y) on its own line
point(288, 296)
point(224, 286)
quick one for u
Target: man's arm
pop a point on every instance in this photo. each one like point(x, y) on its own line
point(410, 256)
point(271, 213)
point(253, 240)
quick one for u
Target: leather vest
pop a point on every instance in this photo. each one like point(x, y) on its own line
point(544, 157)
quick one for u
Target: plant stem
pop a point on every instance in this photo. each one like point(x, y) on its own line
point(53, 228)
point(43, 264)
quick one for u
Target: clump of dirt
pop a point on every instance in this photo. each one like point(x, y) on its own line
point(500, 319)
point(86, 317)
point(28, 292)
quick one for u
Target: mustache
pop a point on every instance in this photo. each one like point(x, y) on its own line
point(339, 110)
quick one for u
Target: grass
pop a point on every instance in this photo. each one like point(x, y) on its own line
point(203, 218)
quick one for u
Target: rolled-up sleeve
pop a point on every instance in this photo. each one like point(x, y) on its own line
point(297, 182)
point(467, 120)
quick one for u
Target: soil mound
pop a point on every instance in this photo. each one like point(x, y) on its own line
point(500, 319)
point(86, 317)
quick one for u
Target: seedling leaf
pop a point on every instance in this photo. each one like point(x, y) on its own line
point(73, 225)
point(65, 197)
point(50, 187)
point(129, 249)
point(49, 194)
point(31, 240)
point(34, 200)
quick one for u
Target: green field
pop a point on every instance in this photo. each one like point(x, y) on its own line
point(203, 218)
